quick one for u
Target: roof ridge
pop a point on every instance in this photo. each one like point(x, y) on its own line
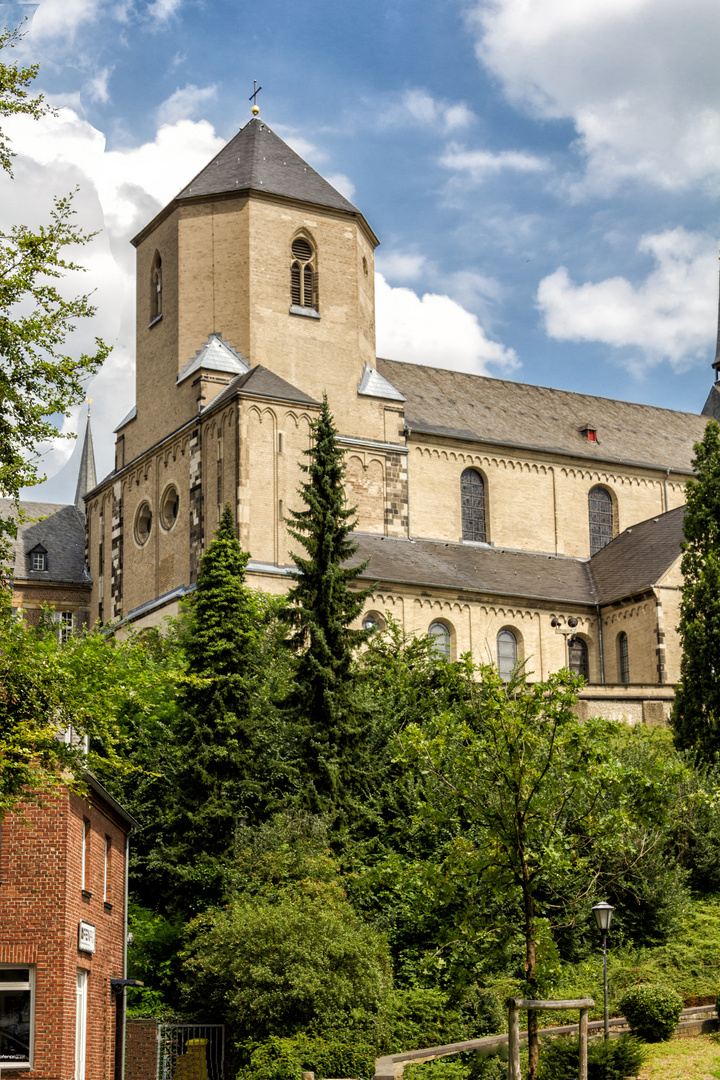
point(537, 386)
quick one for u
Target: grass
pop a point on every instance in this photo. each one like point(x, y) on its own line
point(683, 1059)
point(689, 962)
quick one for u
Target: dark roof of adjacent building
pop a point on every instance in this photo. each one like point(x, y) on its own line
point(634, 561)
point(258, 160)
point(506, 413)
point(261, 383)
point(60, 530)
point(638, 557)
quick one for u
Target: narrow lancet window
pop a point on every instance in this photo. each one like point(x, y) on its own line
point(472, 498)
point(601, 517)
point(156, 289)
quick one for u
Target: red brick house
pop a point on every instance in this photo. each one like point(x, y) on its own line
point(63, 933)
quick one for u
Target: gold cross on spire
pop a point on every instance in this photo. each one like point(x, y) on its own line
point(253, 97)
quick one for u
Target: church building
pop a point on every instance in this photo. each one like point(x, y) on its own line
point(506, 520)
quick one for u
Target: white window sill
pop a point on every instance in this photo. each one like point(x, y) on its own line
point(308, 312)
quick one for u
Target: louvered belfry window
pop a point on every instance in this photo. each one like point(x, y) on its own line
point(472, 497)
point(600, 512)
point(303, 275)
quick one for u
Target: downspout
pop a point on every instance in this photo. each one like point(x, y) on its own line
point(600, 645)
point(665, 484)
point(407, 443)
point(122, 1000)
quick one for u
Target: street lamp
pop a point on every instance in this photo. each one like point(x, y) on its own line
point(603, 917)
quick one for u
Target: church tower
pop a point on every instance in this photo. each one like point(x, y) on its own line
point(255, 296)
point(262, 253)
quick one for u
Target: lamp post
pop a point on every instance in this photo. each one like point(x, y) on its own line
point(603, 917)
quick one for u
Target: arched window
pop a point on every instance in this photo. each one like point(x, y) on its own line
point(372, 621)
point(578, 658)
point(472, 499)
point(440, 636)
point(156, 288)
point(507, 653)
point(303, 275)
point(623, 657)
point(601, 517)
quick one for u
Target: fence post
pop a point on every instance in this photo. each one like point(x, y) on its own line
point(583, 1068)
point(514, 1040)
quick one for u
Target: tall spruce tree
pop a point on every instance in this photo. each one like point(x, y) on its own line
point(216, 726)
point(696, 712)
point(321, 607)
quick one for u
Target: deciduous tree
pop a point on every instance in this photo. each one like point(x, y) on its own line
point(39, 375)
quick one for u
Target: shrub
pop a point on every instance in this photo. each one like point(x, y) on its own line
point(286, 1059)
point(613, 1060)
point(652, 1011)
point(482, 1011)
point(277, 966)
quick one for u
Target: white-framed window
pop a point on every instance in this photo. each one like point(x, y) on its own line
point(84, 856)
point(17, 1015)
point(80, 1023)
point(106, 870)
point(38, 560)
point(65, 621)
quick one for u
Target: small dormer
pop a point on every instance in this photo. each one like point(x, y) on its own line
point(589, 433)
point(38, 559)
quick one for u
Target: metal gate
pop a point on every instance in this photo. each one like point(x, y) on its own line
point(190, 1052)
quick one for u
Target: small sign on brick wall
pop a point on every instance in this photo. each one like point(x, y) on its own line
point(86, 937)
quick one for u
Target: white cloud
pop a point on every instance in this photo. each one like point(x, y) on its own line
point(479, 164)
point(163, 9)
point(61, 18)
point(343, 184)
point(639, 79)
point(417, 108)
point(120, 190)
point(185, 103)
point(400, 266)
point(97, 87)
point(669, 316)
point(434, 330)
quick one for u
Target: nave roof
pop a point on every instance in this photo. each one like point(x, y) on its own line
point(499, 411)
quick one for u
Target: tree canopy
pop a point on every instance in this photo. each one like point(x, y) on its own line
point(40, 375)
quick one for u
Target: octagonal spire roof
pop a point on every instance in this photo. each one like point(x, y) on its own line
point(258, 160)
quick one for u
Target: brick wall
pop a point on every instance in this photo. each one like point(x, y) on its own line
point(140, 1049)
point(41, 905)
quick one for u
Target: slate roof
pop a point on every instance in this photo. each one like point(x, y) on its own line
point(258, 160)
point(261, 383)
point(215, 355)
point(634, 561)
point(499, 411)
point(61, 531)
point(372, 384)
point(466, 567)
point(638, 557)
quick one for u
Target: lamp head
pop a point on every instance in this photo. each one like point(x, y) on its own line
point(603, 916)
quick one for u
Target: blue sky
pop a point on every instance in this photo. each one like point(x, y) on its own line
point(543, 175)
